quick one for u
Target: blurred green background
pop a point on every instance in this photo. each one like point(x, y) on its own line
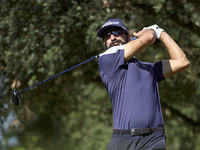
point(40, 38)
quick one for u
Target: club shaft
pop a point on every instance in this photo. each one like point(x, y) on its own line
point(64, 71)
point(59, 74)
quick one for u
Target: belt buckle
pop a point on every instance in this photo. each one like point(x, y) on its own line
point(133, 132)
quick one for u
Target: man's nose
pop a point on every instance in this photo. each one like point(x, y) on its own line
point(112, 37)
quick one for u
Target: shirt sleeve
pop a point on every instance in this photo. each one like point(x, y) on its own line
point(158, 69)
point(111, 61)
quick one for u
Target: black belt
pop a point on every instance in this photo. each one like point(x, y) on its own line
point(139, 131)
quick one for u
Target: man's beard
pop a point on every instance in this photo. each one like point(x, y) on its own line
point(116, 43)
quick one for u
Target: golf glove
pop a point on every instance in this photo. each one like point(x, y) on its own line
point(156, 28)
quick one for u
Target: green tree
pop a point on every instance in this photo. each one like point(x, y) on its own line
point(40, 38)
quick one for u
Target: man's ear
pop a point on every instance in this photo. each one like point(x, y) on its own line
point(129, 37)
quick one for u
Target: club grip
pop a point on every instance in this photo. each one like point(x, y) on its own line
point(133, 38)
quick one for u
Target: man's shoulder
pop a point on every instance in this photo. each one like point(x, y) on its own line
point(113, 50)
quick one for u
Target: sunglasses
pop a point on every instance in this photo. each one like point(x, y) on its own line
point(107, 35)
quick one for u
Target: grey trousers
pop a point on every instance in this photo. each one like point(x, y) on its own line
point(154, 141)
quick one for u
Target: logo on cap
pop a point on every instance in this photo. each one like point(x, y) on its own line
point(110, 23)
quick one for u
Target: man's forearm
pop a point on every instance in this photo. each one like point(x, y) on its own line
point(178, 61)
point(173, 49)
point(145, 37)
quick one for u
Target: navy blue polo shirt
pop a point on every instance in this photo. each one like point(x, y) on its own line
point(133, 89)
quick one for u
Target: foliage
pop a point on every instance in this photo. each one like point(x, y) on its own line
point(40, 38)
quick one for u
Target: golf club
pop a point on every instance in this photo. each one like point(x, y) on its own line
point(16, 99)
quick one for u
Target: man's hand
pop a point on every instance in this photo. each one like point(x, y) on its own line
point(157, 29)
point(139, 33)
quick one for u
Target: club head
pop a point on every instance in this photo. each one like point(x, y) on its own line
point(15, 99)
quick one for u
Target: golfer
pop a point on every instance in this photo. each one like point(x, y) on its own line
point(133, 85)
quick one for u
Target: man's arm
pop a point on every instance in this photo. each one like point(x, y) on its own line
point(178, 61)
point(145, 37)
